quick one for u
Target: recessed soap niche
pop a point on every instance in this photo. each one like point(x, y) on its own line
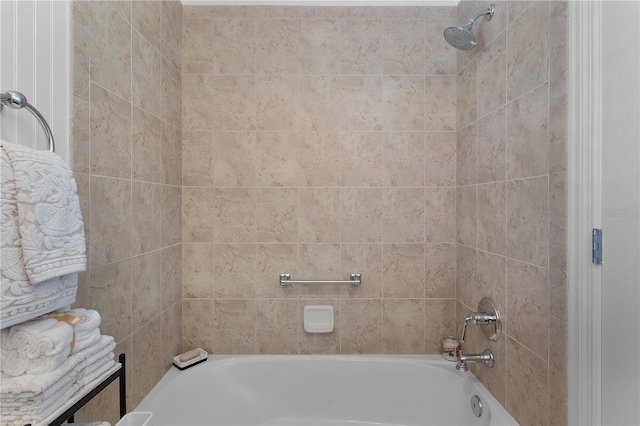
point(318, 319)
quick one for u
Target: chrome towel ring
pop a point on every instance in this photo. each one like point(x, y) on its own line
point(17, 100)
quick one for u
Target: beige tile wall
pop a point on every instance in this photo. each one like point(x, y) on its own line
point(318, 141)
point(322, 141)
point(126, 157)
point(511, 200)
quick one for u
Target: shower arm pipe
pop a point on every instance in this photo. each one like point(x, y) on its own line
point(17, 100)
point(490, 11)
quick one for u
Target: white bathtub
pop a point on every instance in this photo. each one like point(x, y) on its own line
point(321, 390)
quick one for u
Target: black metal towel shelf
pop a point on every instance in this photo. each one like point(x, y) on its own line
point(68, 415)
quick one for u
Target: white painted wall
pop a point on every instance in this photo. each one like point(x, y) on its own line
point(620, 213)
point(35, 60)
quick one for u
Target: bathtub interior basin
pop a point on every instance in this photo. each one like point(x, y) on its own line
point(321, 390)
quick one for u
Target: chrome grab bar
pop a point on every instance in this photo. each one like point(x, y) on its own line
point(17, 100)
point(285, 279)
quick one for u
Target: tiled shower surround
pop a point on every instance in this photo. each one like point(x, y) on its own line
point(318, 142)
point(511, 201)
point(126, 158)
point(323, 141)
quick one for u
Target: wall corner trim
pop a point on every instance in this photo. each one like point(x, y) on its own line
point(584, 187)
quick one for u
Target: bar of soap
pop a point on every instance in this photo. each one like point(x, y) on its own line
point(193, 353)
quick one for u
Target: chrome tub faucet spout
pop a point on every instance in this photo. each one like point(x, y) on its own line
point(485, 357)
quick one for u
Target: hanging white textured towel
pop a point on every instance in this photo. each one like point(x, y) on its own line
point(20, 299)
point(49, 218)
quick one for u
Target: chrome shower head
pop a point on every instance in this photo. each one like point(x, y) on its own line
point(461, 36)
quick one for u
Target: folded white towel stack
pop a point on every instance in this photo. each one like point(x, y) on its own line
point(32, 398)
point(35, 347)
point(42, 244)
point(87, 329)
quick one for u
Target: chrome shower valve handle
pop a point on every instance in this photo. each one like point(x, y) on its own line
point(487, 315)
